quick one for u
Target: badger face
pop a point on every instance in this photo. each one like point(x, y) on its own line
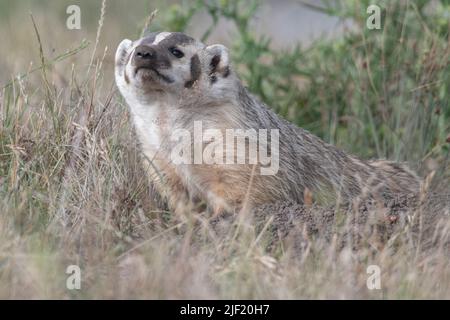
point(167, 62)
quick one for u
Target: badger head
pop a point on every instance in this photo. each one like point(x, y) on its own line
point(171, 63)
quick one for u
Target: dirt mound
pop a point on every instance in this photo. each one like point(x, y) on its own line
point(423, 223)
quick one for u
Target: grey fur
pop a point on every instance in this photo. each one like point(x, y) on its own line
point(219, 100)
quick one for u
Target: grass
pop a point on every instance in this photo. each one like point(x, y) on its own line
point(72, 189)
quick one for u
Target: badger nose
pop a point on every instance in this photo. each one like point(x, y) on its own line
point(143, 55)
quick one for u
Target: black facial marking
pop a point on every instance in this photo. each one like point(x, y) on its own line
point(226, 72)
point(195, 71)
point(213, 72)
point(214, 63)
point(173, 39)
point(176, 38)
point(148, 39)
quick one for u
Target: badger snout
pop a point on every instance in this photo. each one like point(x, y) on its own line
point(150, 62)
point(144, 57)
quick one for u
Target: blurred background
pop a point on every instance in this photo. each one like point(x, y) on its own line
point(287, 23)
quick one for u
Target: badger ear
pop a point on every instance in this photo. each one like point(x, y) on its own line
point(219, 61)
point(122, 51)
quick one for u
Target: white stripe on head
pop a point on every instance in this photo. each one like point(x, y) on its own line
point(161, 36)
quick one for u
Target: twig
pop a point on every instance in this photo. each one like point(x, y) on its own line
point(41, 54)
point(97, 38)
point(149, 21)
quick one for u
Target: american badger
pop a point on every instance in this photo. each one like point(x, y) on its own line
point(174, 83)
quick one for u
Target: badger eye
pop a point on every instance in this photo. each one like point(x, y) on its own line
point(177, 53)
